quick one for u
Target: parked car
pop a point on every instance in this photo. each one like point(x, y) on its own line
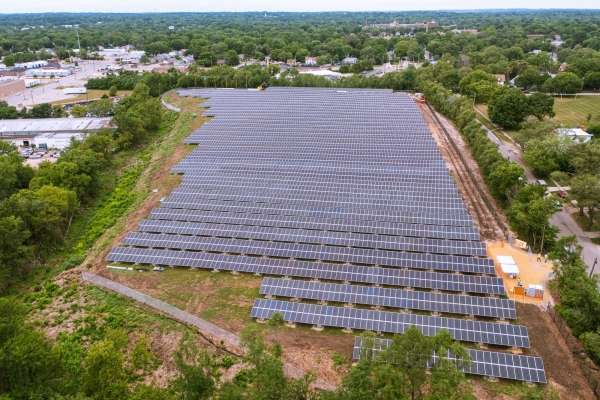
point(557, 204)
point(56, 155)
point(41, 153)
point(24, 154)
point(562, 195)
point(541, 182)
point(35, 155)
point(158, 269)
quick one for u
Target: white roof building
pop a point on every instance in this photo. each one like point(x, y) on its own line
point(576, 134)
point(53, 140)
point(48, 72)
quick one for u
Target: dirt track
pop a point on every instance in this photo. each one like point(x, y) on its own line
point(482, 215)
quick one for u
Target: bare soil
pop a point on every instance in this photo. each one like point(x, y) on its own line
point(477, 207)
point(561, 367)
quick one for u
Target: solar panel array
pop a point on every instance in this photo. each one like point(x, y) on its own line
point(486, 363)
point(344, 186)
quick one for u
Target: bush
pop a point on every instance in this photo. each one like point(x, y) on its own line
point(112, 91)
point(591, 343)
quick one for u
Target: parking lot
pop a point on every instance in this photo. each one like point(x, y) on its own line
point(34, 161)
point(49, 92)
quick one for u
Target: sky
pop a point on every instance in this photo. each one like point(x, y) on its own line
point(126, 6)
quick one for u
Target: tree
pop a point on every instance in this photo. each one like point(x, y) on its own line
point(197, 369)
point(43, 110)
point(541, 105)
point(79, 111)
point(112, 92)
point(563, 83)
point(8, 112)
point(15, 254)
point(547, 155)
point(479, 84)
point(508, 107)
point(9, 60)
point(586, 157)
point(101, 108)
point(232, 58)
point(585, 189)
point(506, 180)
point(591, 80)
point(144, 59)
point(104, 376)
point(529, 214)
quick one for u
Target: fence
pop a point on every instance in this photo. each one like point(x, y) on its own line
point(167, 105)
point(222, 334)
point(589, 370)
point(484, 195)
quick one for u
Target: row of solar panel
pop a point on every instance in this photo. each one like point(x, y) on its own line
point(178, 217)
point(279, 196)
point(320, 212)
point(394, 298)
point(423, 221)
point(196, 201)
point(486, 363)
point(209, 183)
point(306, 251)
point(201, 186)
point(312, 270)
point(400, 243)
point(393, 322)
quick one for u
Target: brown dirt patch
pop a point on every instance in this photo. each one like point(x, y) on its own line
point(313, 351)
point(477, 207)
point(561, 368)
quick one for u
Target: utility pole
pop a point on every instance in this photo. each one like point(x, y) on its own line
point(593, 266)
point(246, 81)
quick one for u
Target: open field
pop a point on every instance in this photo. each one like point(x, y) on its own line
point(93, 94)
point(573, 112)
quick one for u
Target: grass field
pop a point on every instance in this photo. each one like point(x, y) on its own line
point(92, 94)
point(573, 112)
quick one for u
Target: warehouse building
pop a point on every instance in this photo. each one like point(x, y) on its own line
point(11, 87)
point(49, 132)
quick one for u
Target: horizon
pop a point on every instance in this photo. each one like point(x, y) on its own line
point(229, 6)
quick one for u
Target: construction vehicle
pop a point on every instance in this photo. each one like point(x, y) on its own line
point(263, 86)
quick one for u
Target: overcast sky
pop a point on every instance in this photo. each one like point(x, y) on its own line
point(37, 6)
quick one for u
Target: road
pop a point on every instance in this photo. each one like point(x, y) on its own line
point(562, 219)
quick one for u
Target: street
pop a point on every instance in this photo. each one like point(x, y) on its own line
point(562, 219)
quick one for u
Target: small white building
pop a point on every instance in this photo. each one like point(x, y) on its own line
point(349, 60)
point(47, 72)
point(576, 135)
point(52, 140)
point(310, 61)
point(32, 64)
point(29, 83)
point(75, 90)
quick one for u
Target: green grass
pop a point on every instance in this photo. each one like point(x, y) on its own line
point(573, 112)
point(92, 94)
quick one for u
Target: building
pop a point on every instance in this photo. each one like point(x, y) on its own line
point(29, 83)
point(501, 79)
point(32, 64)
point(310, 61)
point(48, 72)
point(576, 135)
point(11, 87)
point(23, 132)
point(536, 36)
point(349, 60)
point(58, 141)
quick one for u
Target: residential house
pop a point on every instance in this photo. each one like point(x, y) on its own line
point(501, 79)
point(310, 61)
point(349, 60)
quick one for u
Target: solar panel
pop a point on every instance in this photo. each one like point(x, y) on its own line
point(392, 322)
point(384, 242)
point(486, 363)
point(314, 252)
point(393, 298)
point(177, 220)
point(307, 269)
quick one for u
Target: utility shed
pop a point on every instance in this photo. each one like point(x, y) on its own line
point(23, 131)
point(576, 134)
